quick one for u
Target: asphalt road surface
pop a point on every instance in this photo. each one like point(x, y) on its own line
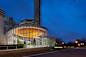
point(77, 52)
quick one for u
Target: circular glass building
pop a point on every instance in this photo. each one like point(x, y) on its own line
point(28, 35)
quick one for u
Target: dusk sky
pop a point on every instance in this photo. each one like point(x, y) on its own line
point(65, 19)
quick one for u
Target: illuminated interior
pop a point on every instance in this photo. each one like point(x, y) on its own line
point(30, 37)
point(30, 32)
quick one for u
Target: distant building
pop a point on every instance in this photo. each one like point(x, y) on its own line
point(2, 13)
point(1, 21)
point(6, 23)
point(1, 26)
point(9, 23)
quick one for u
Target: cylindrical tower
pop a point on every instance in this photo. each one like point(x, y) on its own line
point(37, 12)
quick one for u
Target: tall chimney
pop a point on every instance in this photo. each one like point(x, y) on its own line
point(37, 12)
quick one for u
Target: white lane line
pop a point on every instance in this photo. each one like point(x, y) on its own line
point(79, 48)
point(43, 53)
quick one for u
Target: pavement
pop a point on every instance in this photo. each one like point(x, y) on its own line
point(74, 52)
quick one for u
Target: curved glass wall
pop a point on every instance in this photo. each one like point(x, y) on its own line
point(30, 37)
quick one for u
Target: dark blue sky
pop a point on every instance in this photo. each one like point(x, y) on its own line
point(65, 19)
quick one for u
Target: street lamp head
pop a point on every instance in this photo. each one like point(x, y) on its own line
point(76, 41)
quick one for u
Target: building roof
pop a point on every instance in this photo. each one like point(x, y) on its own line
point(26, 20)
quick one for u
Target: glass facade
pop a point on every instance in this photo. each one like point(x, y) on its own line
point(29, 39)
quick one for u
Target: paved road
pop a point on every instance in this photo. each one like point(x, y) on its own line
point(22, 52)
point(63, 53)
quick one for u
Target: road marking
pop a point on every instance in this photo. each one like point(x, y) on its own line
point(79, 48)
point(43, 53)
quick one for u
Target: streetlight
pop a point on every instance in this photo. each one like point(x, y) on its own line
point(76, 41)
